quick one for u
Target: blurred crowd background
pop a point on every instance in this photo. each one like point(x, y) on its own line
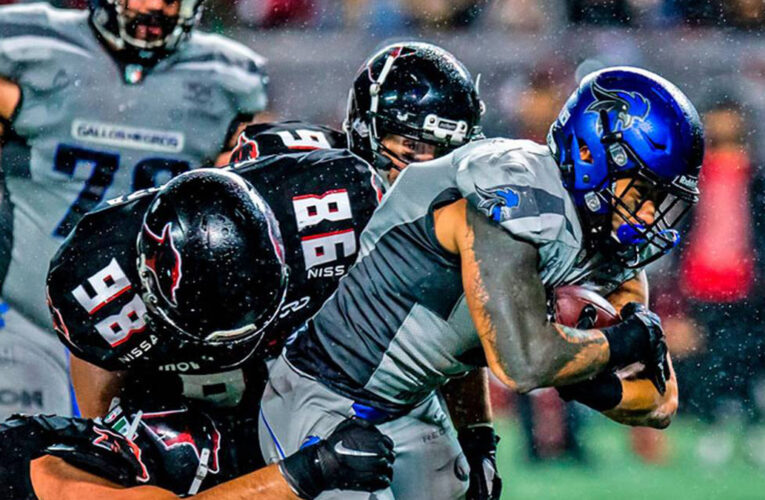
point(529, 55)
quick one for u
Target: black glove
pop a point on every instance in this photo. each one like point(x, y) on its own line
point(587, 318)
point(356, 456)
point(479, 444)
point(601, 393)
point(81, 442)
point(639, 338)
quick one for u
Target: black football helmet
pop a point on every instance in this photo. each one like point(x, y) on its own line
point(117, 25)
point(415, 90)
point(211, 262)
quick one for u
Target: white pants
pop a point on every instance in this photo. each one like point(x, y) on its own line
point(429, 462)
point(34, 376)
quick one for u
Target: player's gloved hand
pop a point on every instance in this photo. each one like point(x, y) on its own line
point(600, 393)
point(479, 444)
point(356, 456)
point(587, 317)
point(639, 338)
point(81, 442)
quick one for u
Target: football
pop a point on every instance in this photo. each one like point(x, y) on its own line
point(570, 300)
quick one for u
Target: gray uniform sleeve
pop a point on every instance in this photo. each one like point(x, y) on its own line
point(502, 181)
point(247, 83)
point(35, 41)
point(517, 185)
point(19, 24)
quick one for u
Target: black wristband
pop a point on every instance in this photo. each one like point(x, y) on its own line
point(302, 472)
point(601, 393)
point(627, 342)
point(479, 439)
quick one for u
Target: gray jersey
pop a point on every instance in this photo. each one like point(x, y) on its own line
point(93, 137)
point(397, 327)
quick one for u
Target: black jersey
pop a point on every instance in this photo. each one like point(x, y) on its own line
point(322, 200)
point(261, 139)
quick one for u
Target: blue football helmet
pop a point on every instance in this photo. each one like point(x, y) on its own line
point(636, 126)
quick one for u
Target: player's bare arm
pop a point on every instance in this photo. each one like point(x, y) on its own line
point(470, 409)
point(641, 403)
point(94, 387)
point(623, 395)
point(508, 305)
point(468, 399)
point(61, 454)
point(10, 96)
point(53, 478)
point(634, 290)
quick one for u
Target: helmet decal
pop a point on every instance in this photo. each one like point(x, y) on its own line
point(168, 282)
point(639, 127)
point(245, 149)
point(181, 433)
point(629, 106)
point(109, 440)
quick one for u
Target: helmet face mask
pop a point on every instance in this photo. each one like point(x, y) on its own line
point(634, 125)
point(414, 90)
point(211, 264)
point(144, 35)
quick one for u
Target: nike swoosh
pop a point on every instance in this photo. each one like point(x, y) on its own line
point(342, 450)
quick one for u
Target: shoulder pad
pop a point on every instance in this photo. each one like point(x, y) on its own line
point(516, 184)
point(94, 291)
point(34, 32)
point(34, 14)
point(261, 139)
point(237, 69)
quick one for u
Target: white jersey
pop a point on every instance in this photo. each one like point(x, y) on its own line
point(93, 137)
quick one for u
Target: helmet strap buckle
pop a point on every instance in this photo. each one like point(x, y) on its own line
point(593, 202)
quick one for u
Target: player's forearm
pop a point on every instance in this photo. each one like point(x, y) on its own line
point(54, 479)
point(642, 404)
point(634, 290)
point(468, 399)
point(10, 96)
point(509, 308)
point(94, 387)
point(267, 482)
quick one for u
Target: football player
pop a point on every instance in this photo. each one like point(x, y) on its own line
point(454, 266)
point(109, 101)
point(81, 458)
point(95, 387)
point(166, 294)
point(410, 102)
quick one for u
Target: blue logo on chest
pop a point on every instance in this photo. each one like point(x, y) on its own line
point(498, 202)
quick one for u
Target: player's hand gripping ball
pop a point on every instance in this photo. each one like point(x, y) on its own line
point(580, 307)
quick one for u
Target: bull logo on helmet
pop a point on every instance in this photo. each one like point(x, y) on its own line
point(177, 430)
point(163, 260)
point(628, 106)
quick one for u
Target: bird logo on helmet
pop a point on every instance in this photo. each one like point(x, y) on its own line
point(628, 106)
point(635, 125)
